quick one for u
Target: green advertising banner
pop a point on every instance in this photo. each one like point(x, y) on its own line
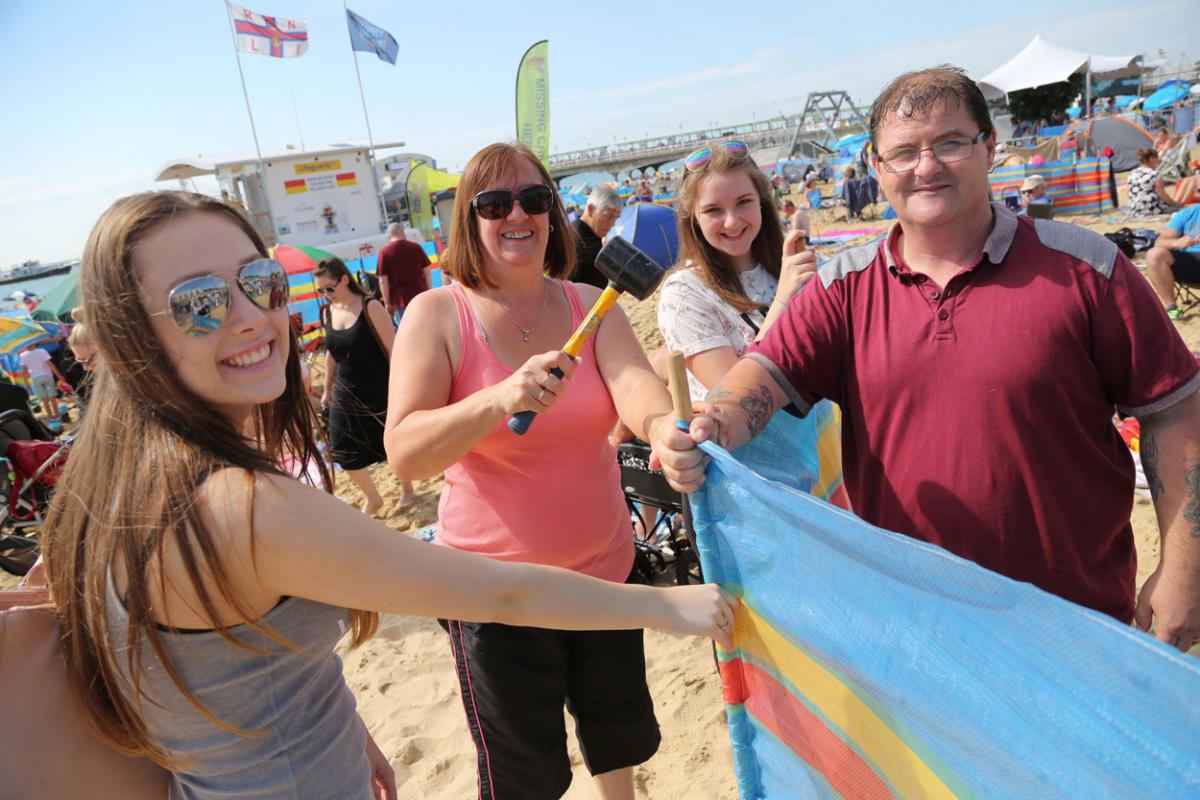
point(533, 100)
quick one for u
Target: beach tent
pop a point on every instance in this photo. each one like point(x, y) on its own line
point(1124, 136)
point(1042, 63)
point(580, 179)
point(57, 304)
point(1167, 95)
point(652, 229)
point(422, 183)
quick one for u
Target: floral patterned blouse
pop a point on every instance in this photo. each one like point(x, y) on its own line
point(1143, 200)
point(694, 319)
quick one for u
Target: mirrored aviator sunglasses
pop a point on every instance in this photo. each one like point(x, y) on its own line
point(199, 305)
point(498, 203)
point(698, 159)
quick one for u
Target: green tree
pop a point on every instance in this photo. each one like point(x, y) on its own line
point(1040, 103)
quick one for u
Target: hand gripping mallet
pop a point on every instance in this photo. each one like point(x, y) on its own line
point(681, 399)
point(628, 269)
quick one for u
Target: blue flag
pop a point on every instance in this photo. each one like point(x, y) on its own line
point(371, 38)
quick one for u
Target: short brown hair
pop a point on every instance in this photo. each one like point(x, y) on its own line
point(464, 259)
point(916, 93)
point(1147, 155)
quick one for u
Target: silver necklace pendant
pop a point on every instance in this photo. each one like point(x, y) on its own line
point(525, 334)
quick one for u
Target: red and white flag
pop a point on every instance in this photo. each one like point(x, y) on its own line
point(268, 36)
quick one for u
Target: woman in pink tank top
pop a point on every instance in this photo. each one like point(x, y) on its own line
point(470, 356)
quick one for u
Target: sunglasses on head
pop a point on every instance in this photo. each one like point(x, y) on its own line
point(199, 305)
point(498, 203)
point(736, 149)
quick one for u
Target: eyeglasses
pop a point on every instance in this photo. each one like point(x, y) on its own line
point(947, 151)
point(737, 151)
point(327, 289)
point(498, 203)
point(199, 305)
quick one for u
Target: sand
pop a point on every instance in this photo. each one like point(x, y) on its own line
point(407, 693)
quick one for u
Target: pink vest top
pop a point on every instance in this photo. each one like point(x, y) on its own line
point(552, 496)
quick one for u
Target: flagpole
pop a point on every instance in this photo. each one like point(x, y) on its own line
point(262, 168)
point(370, 139)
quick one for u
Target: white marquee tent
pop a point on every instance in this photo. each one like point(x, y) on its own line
point(1042, 62)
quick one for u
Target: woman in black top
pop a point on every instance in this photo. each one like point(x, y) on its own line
point(358, 344)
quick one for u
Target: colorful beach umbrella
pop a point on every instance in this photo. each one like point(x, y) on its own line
point(298, 257)
point(1167, 95)
point(652, 229)
point(18, 331)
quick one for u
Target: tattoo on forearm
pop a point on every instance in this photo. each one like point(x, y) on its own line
point(759, 406)
point(1191, 511)
point(717, 394)
point(756, 404)
point(1149, 450)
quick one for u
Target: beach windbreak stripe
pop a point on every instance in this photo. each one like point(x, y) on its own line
point(869, 664)
point(1083, 187)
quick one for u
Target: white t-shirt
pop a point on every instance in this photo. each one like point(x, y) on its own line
point(693, 318)
point(37, 361)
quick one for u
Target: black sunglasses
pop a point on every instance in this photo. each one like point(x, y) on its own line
point(498, 203)
point(199, 305)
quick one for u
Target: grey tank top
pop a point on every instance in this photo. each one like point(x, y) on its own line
point(310, 743)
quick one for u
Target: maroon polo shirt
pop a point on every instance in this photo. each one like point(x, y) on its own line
point(978, 417)
point(404, 263)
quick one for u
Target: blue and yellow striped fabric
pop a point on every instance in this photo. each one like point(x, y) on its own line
point(871, 665)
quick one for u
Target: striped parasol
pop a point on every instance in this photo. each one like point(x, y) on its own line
point(18, 331)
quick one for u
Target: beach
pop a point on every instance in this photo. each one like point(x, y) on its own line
point(407, 692)
point(405, 684)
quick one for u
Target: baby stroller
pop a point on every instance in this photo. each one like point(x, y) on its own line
point(656, 511)
point(36, 460)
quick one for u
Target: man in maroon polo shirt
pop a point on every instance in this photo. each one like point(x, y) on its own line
point(978, 357)
point(403, 270)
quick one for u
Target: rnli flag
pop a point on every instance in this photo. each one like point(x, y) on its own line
point(268, 36)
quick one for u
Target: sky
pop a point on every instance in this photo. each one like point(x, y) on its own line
point(98, 96)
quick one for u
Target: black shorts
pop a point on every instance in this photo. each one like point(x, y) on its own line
point(1186, 267)
point(514, 682)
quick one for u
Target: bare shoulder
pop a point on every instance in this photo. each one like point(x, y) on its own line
point(588, 294)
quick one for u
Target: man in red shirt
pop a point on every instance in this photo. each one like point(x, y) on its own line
point(978, 357)
point(403, 270)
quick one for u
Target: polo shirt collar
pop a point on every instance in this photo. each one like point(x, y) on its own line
point(1004, 230)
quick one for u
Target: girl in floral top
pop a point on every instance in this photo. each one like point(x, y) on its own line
point(735, 277)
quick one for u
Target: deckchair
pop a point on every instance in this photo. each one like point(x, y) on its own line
point(47, 750)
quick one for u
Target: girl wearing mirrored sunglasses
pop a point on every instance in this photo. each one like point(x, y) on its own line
point(735, 276)
point(201, 591)
point(469, 356)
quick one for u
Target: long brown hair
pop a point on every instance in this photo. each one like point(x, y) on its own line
point(715, 268)
point(464, 259)
point(145, 447)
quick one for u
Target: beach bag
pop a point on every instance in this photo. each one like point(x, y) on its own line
point(47, 748)
point(1123, 239)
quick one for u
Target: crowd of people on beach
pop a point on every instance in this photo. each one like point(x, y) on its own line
point(973, 357)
